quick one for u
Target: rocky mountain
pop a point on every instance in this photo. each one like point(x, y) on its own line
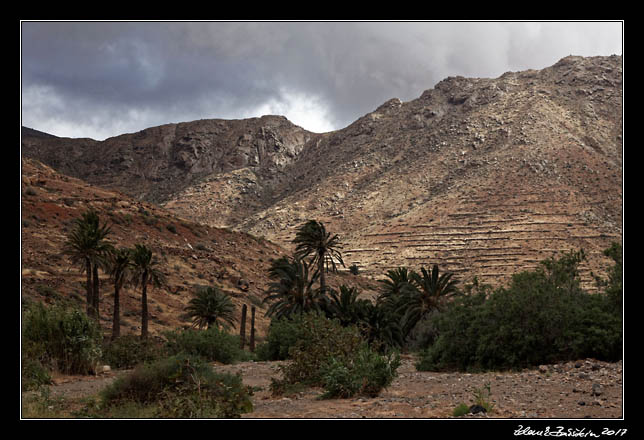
point(156, 163)
point(485, 177)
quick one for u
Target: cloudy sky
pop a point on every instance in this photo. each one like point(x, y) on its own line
point(102, 79)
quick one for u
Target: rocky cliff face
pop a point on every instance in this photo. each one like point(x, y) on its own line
point(483, 176)
point(156, 163)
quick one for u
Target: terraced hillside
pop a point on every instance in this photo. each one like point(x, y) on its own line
point(486, 177)
point(507, 236)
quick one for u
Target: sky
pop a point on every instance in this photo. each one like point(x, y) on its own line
point(102, 79)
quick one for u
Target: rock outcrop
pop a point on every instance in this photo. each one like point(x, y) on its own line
point(156, 163)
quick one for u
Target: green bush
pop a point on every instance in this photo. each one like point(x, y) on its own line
point(457, 342)
point(461, 410)
point(542, 317)
point(180, 387)
point(59, 338)
point(282, 335)
point(321, 339)
point(366, 373)
point(130, 350)
point(335, 357)
point(212, 345)
point(33, 374)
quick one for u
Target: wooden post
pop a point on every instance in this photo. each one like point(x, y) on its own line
point(242, 331)
point(252, 329)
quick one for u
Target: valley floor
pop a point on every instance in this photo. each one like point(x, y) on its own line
point(573, 390)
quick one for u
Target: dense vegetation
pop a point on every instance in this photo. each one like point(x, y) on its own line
point(336, 340)
point(543, 316)
point(334, 357)
point(58, 338)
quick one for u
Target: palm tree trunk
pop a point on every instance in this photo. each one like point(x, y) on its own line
point(95, 293)
point(251, 345)
point(321, 269)
point(88, 287)
point(116, 320)
point(242, 330)
point(144, 306)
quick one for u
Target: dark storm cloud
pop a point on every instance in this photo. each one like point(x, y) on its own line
point(102, 79)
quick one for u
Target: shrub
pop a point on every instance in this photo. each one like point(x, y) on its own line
point(456, 344)
point(321, 338)
point(423, 334)
point(282, 335)
point(63, 339)
point(595, 332)
point(130, 350)
point(33, 374)
point(542, 317)
point(366, 373)
point(461, 410)
point(482, 398)
point(612, 287)
point(336, 358)
point(181, 387)
point(212, 345)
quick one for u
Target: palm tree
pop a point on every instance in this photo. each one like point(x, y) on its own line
point(145, 272)
point(211, 306)
point(292, 288)
point(120, 270)
point(346, 306)
point(378, 323)
point(313, 240)
point(397, 281)
point(381, 328)
point(87, 248)
point(427, 292)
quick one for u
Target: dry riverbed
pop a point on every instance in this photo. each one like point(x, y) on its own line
point(581, 389)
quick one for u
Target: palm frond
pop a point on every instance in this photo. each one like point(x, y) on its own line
point(211, 306)
point(292, 289)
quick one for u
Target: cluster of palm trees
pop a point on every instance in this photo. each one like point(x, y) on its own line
point(406, 297)
point(294, 287)
point(88, 249)
point(298, 284)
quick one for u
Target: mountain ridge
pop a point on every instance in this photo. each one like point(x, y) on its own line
point(152, 163)
point(475, 173)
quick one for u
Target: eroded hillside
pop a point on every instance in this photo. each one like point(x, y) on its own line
point(189, 254)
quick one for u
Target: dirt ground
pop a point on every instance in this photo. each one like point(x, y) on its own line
point(582, 389)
